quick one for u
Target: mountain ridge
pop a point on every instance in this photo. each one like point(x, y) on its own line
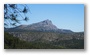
point(44, 26)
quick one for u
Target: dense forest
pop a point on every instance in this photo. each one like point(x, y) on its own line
point(11, 42)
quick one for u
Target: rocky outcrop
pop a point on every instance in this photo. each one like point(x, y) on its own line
point(46, 36)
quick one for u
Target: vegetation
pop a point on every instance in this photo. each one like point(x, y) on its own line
point(11, 42)
point(14, 13)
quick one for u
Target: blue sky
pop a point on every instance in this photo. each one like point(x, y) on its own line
point(64, 16)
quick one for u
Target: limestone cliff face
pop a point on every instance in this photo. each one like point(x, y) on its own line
point(42, 26)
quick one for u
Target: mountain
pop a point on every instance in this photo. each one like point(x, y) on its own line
point(44, 26)
point(40, 35)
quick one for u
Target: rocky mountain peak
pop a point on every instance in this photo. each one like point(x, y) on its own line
point(47, 22)
point(45, 25)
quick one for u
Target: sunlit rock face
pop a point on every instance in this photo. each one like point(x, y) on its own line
point(43, 26)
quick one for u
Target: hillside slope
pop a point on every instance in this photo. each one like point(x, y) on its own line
point(11, 42)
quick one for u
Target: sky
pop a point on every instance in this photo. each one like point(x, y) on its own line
point(64, 16)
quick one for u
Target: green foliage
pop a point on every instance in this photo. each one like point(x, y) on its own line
point(70, 44)
point(14, 13)
point(11, 42)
